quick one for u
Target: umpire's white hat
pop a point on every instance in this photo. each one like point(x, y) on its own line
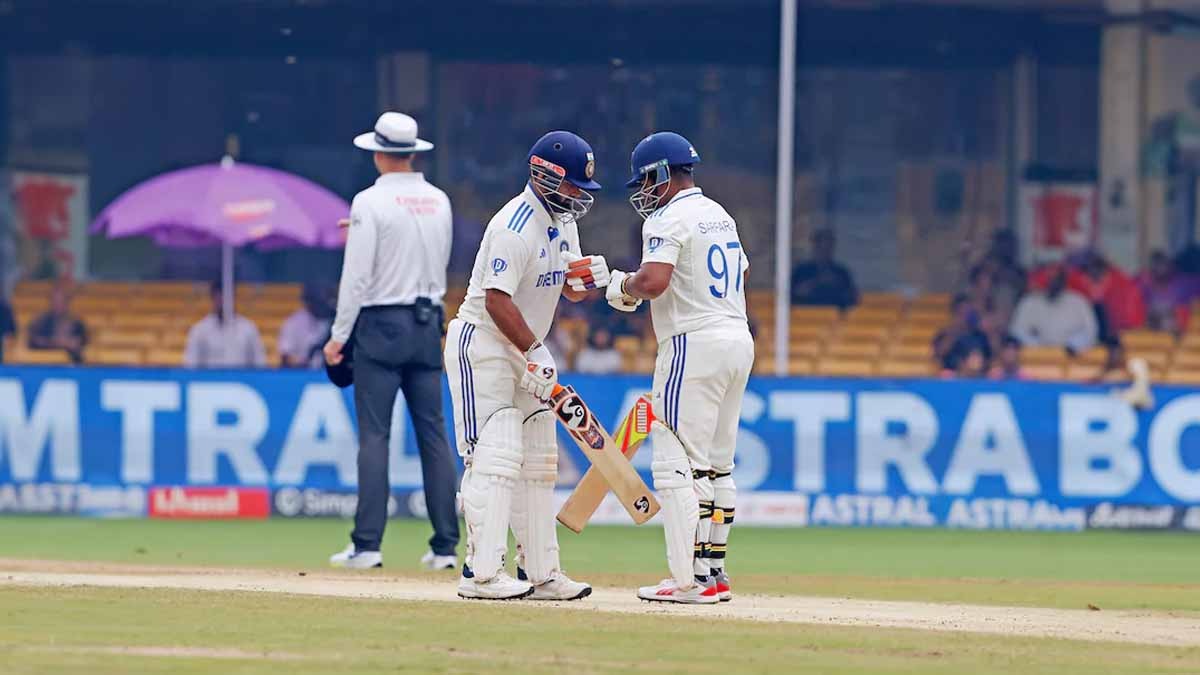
point(394, 132)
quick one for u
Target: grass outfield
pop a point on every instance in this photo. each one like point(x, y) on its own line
point(101, 631)
point(1112, 570)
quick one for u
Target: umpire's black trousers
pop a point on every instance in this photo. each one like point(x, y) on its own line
point(393, 352)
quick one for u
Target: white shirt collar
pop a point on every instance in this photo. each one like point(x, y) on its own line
point(686, 192)
point(400, 177)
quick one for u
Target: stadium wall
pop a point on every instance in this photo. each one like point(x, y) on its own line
point(813, 452)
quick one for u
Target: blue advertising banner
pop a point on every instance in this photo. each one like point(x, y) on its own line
point(810, 451)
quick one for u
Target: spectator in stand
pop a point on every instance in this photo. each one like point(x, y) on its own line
point(968, 360)
point(1165, 295)
point(963, 332)
point(981, 295)
point(599, 356)
point(1115, 296)
point(561, 345)
point(305, 332)
point(218, 341)
point(1008, 361)
point(821, 281)
point(1008, 278)
point(628, 323)
point(1056, 316)
point(59, 329)
point(8, 325)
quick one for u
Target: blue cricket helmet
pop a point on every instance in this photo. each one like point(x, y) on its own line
point(659, 151)
point(569, 156)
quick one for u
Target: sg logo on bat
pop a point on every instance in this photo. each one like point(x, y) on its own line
point(574, 413)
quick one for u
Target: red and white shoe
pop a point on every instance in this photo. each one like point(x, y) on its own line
point(723, 591)
point(668, 591)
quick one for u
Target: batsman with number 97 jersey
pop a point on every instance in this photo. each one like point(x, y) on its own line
point(693, 272)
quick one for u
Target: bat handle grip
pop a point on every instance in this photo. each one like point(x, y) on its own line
point(557, 388)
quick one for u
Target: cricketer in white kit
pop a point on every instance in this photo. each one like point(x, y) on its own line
point(500, 375)
point(693, 269)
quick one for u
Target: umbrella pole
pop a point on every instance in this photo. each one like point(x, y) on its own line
point(227, 280)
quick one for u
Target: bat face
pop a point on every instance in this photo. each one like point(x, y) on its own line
point(606, 457)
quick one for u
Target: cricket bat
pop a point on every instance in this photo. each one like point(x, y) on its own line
point(590, 491)
point(604, 454)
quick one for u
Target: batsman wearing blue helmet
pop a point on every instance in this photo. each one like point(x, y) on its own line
point(693, 273)
point(500, 374)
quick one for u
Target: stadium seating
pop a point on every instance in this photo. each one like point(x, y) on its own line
point(886, 335)
point(132, 323)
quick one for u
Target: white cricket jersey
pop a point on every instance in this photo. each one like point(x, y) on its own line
point(397, 248)
point(521, 254)
point(700, 238)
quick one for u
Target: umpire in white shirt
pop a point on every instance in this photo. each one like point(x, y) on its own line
point(392, 287)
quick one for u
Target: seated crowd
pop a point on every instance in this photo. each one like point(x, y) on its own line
point(1078, 305)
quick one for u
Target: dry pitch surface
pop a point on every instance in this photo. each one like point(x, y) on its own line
point(103, 597)
point(1140, 627)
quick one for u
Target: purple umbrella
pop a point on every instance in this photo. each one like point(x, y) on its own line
point(229, 205)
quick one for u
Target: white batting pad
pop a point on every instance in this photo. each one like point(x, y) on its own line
point(488, 491)
point(680, 507)
point(533, 510)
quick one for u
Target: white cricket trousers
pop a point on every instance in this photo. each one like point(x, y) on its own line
point(484, 372)
point(699, 380)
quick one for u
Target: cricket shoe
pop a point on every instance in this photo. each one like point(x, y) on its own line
point(353, 559)
point(558, 587)
point(435, 562)
point(499, 587)
point(668, 591)
point(722, 581)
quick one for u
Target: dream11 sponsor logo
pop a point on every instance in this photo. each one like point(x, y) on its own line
point(209, 502)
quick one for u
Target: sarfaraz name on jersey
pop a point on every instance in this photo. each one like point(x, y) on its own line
point(717, 226)
point(551, 279)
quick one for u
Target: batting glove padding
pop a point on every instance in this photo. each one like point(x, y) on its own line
point(586, 273)
point(616, 297)
point(541, 373)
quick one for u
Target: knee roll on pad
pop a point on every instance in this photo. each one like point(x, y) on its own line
point(498, 450)
point(670, 468)
point(541, 447)
point(487, 491)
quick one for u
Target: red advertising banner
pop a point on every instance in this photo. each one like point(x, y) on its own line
point(1056, 219)
point(209, 502)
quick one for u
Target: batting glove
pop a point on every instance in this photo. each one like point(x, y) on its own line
point(616, 293)
point(541, 373)
point(586, 273)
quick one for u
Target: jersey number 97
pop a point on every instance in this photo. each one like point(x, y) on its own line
point(718, 267)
